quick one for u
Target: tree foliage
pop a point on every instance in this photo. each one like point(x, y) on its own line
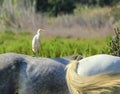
point(55, 7)
point(115, 43)
point(98, 2)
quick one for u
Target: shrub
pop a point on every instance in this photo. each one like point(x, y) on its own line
point(55, 7)
point(115, 43)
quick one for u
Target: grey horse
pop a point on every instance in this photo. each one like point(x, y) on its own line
point(23, 74)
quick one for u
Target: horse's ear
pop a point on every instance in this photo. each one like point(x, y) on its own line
point(79, 57)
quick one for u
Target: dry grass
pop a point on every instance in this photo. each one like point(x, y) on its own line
point(89, 22)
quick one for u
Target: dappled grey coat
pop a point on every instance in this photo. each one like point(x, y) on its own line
point(22, 74)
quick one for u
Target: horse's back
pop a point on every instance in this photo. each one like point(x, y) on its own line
point(44, 76)
point(97, 64)
point(22, 74)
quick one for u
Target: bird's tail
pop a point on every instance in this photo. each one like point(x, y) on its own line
point(98, 84)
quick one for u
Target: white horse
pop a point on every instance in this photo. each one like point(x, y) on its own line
point(23, 74)
point(98, 74)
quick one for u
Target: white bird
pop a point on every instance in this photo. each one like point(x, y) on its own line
point(98, 74)
point(36, 42)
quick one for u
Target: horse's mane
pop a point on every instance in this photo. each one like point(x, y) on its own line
point(99, 84)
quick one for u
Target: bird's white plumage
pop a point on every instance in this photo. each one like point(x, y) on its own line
point(36, 42)
point(98, 64)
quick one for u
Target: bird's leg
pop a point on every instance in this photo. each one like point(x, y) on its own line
point(38, 53)
point(34, 54)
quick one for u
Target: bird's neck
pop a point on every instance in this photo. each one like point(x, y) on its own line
point(38, 34)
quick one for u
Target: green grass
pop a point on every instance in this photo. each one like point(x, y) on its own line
point(52, 47)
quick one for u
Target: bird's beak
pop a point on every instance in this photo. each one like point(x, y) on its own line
point(42, 30)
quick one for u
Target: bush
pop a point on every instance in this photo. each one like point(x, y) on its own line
point(98, 2)
point(115, 43)
point(55, 7)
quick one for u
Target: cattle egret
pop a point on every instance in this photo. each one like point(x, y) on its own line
point(36, 42)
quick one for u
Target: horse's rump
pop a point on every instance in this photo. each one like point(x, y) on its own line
point(99, 84)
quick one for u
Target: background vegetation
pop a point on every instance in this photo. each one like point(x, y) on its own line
point(72, 26)
point(52, 47)
point(114, 44)
point(28, 15)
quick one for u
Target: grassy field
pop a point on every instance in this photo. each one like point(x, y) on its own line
point(84, 32)
point(52, 47)
point(87, 32)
